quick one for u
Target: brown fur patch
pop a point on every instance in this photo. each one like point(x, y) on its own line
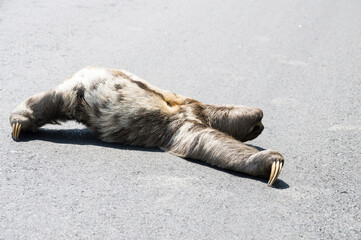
point(79, 89)
point(117, 73)
point(118, 86)
point(120, 97)
point(96, 84)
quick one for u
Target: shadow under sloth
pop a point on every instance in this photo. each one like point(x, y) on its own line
point(119, 107)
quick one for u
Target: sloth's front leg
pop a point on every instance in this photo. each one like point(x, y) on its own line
point(200, 142)
point(42, 108)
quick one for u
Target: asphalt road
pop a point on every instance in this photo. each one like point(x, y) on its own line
point(300, 61)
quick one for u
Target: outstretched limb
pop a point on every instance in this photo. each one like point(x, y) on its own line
point(241, 122)
point(197, 141)
point(42, 108)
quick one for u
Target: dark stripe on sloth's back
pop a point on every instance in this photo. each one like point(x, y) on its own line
point(140, 84)
point(146, 88)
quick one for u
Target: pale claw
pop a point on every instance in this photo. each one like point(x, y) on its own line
point(275, 172)
point(19, 130)
point(16, 130)
point(279, 171)
point(272, 172)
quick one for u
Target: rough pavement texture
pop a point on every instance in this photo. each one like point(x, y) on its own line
point(299, 61)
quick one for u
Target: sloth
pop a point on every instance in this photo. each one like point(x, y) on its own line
point(120, 107)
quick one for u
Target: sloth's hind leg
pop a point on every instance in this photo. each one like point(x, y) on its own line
point(42, 108)
point(219, 149)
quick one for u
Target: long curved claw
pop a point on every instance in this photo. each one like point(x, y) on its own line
point(272, 172)
point(279, 171)
point(275, 172)
point(16, 130)
point(19, 130)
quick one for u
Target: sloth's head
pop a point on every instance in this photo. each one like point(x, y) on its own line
point(248, 123)
point(241, 122)
point(253, 131)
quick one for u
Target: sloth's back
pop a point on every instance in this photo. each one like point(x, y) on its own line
point(121, 107)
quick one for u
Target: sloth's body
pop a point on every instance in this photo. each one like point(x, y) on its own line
point(120, 107)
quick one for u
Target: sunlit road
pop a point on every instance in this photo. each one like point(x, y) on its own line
point(300, 61)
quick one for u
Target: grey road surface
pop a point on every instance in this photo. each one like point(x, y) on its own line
point(300, 61)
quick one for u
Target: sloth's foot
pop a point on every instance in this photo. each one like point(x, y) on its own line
point(275, 171)
point(16, 130)
point(270, 164)
point(21, 121)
